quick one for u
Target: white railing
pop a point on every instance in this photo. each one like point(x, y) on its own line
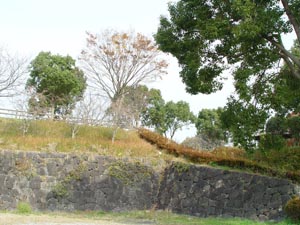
point(19, 114)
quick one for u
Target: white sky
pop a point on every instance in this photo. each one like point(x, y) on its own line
point(30, 26)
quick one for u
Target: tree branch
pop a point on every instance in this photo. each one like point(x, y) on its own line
point(291, 18)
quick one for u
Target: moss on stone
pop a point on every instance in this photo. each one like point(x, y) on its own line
point(61, 188)
point(181, 167)
point(129, 173)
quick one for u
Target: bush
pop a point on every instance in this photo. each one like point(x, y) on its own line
point(292, 209)
point(208, 157)
point(229, 152)
point(176, 149)
point(285, 159)
point(24, 208)
point(272, 142)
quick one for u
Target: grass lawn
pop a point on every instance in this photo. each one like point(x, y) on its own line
point(134, 217)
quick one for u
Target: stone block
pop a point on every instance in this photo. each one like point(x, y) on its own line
point(35, 183)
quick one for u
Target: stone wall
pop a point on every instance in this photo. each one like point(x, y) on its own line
point(204, 191)
point(74, 182)
point(52, 181)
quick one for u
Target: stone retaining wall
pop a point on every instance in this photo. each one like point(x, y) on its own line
point(73, 182)
point(203, 191)
point(52, 181)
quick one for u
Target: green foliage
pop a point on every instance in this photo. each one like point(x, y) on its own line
point(243, 121)
point(181, 167)
point(284, 159)
point(209, 36)
point(202, 34)
point(287, 88)
point(57, 84)
point(292, 209)
point(136, 99)
point(209, 124)
point(276, 125)
point(60, 190)
point(293, 124)
point(129, 174)
point(167, 117)
point(24, 208)
point(154, 114)
point(271, 141)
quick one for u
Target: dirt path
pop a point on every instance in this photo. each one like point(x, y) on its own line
point(14, 219)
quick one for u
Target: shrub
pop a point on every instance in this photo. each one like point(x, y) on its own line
point(292, 209)
point(207, 157)
point(229, 152)
point(176, 149)
point(272, 141)
point(24, 208)
point(284, 159)
point(293, 175)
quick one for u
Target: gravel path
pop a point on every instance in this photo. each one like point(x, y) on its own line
point(14, 219)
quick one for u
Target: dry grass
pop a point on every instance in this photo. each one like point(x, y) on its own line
point(228, 157)
point(55, 136)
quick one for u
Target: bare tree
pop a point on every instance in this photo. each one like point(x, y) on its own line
point(90, 110)
point(119, 116)
point(12, 69)
point(23, 112)
point(115, 60)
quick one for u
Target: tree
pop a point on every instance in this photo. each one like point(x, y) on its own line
point(210, 131)
point(244, 115)
point(276, 125)
point(154, 114)
point(127, 111)
point(275, 131)
point(168, 118)
point(293, 124)
point(115, 60)
point(90, 110)
point(136, 99)
point(12, 69)
point(178, 115)
point(285, 97)
point(243, 120)
point(58, 84)
point(209, 124)
point(207, 36)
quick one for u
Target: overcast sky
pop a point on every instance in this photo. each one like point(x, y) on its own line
point(30, 26)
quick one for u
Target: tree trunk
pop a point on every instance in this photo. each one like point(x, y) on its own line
point(114, 135)
point(52, 112)
point(292, 19)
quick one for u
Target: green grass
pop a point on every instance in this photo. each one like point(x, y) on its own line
point(168, 218)
point(155, 217)
point(24, 208)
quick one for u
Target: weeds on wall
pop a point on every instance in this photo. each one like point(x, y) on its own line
point(24, 208)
